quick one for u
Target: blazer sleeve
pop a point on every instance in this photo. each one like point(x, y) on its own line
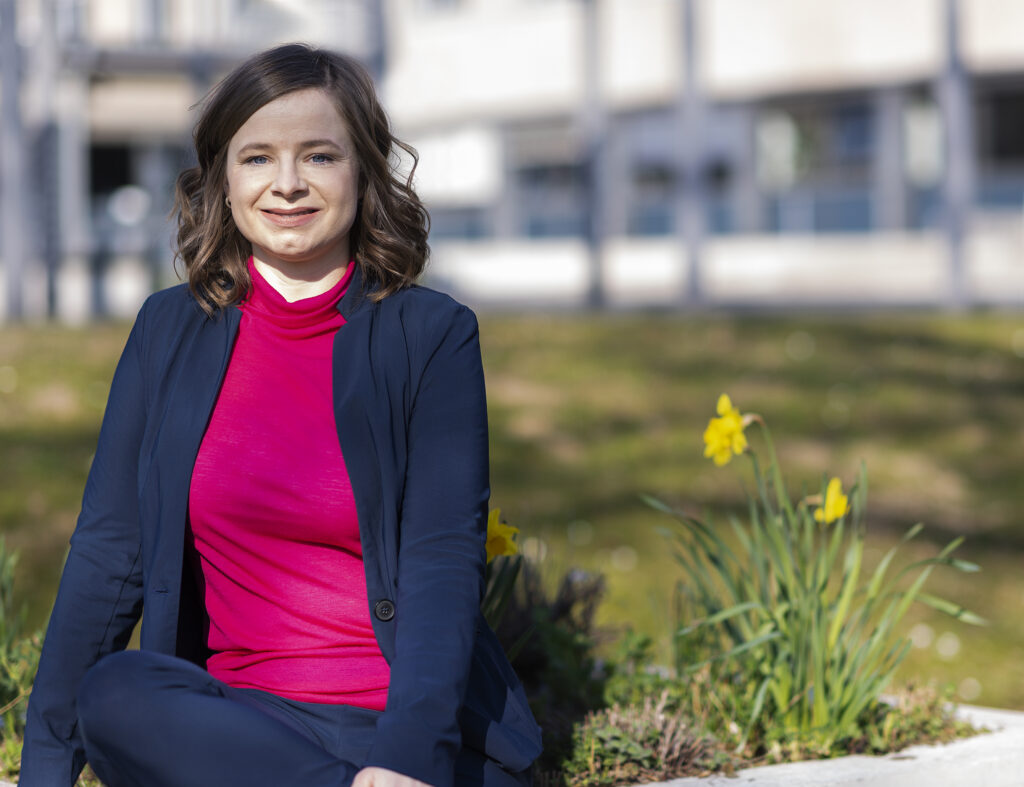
point(441, 560)
point(100, 595)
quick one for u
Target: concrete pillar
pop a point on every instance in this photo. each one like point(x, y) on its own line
point(48, 228)
point(747, 199)
point(954, 95)
point(889, 178)
point(376, 21)
point(156, 175)
point(150, 21)
point(618, 181)
point(12, 157)
point(594, 121)
point(690, 202)
point(73, 199)
point(504, 215)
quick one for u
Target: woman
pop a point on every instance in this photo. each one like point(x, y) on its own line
point(290, 483)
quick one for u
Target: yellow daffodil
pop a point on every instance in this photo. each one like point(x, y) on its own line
point(500, 537)
point(724, 435)
point(836, 504)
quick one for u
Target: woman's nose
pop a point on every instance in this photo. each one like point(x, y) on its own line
point(288, 180)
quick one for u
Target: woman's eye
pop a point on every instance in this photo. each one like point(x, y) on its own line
point(321, 158)
point(256, 160)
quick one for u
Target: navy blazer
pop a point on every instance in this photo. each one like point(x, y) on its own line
point(411, 417)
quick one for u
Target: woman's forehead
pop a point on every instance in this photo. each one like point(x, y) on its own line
point(299, 116)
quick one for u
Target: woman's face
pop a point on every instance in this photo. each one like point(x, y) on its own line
point(293, 182)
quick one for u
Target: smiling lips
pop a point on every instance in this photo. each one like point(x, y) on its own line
point(289, 217)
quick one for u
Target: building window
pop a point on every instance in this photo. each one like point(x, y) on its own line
point(459, 224)
point(1001, 125)
point(552, 200)
point(719, 218)
point(999, 134)
point(814, 161)
point(648, 142)
point(925, 208)
point(110, 167)
point(651, 207)
point(923, 159)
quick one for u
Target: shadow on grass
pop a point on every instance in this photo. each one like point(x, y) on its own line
point(40, 495)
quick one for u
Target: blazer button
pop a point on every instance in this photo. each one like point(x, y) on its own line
point(384, 610)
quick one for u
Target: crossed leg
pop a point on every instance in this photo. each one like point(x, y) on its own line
point(151, 720)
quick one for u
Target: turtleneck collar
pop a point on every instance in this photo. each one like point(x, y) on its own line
point(299, 319)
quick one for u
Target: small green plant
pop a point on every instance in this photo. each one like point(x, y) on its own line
point(912, 715)
point(10, 756)
point(799, 642)
point(555, 639)
point(19, 654)
point(909, 716)
point(632, 674)
point(638, 743)
point(19, 657)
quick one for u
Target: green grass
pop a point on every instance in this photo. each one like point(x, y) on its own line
point(587, 412)
point(590, 411)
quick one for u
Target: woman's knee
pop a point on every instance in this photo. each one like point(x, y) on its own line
point(106, 680)
point(102, 693)
point(114, 690)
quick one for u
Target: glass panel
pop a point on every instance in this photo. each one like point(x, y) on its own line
point(459, 223)
point(552, 200)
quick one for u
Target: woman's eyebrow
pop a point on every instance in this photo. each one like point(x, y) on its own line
point(309, 143)
point(318, 143)
point(250, 147)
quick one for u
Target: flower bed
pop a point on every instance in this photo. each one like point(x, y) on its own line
point(783, 643)
point(995, 759)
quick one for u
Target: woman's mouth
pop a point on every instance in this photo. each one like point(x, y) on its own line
point(290, 217)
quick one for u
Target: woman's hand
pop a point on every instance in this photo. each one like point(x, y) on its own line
point(382, 777)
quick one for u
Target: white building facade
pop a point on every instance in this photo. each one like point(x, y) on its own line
point(107, 95)
point(627, 153)
point(665, 152)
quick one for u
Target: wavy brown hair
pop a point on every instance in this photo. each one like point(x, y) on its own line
point(389, 234)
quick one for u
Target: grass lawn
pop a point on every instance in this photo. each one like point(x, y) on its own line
point(588, 412)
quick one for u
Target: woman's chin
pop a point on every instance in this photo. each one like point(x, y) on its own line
point(301, 258)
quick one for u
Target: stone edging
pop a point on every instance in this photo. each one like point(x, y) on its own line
point(994, 759)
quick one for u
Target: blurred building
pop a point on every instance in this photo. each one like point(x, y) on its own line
point(618, 152)
point(659, 152)
point(107, 89)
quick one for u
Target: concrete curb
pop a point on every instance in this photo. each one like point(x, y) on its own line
point(994, 759)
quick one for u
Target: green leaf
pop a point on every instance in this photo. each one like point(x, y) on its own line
point(755, 713)
point(846, 596)
point(954, 610)
point(725, 614)
point(965, 566)
point(656, 504)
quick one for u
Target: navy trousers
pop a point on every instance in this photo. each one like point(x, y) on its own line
point(151, 720)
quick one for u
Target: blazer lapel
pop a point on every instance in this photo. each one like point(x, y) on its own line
point(359, 404)
point(201, 365)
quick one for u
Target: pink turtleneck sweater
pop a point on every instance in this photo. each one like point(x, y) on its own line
point(276, 540)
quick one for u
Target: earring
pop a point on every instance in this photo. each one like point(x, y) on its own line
point(227, 201)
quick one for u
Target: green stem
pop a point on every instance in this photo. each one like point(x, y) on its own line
point(775, 471)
